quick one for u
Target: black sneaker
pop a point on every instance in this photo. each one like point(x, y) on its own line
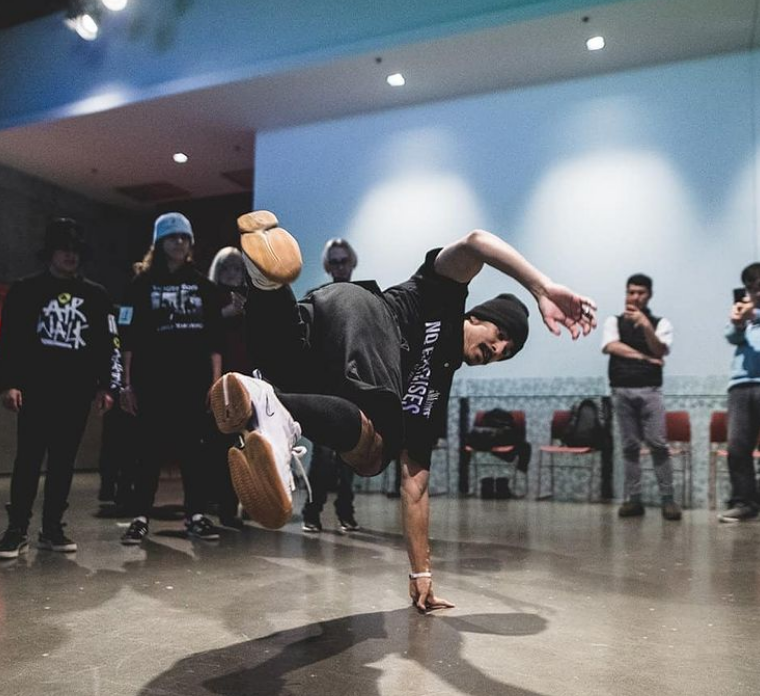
point(671, 511)
point(136, 532)
point(631, 509)
point(232, 522)
point(741, 512)
point(311, 524)
point(14, 543)
point(200, 527)
point(348, 523)
point(55, 540)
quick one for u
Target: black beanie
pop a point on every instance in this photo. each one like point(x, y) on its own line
point(509, 314)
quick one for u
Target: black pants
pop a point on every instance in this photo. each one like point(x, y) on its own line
point(51, 421)
point(743, 429)
point(220, 482)
point(171, 428)
point(325, 468)
point(118, 456)
point(350, 354)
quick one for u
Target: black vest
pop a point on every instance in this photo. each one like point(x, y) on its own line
point(627, 372)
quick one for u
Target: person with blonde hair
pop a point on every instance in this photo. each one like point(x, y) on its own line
point(227, 272)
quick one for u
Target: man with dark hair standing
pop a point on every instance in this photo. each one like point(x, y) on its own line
point(368, 373)
point(637, 341)
point(744, 400)
point(58, 348)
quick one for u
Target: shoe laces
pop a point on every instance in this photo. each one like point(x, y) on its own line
point(297, 454)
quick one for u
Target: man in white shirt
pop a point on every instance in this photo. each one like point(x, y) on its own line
point(637, 342)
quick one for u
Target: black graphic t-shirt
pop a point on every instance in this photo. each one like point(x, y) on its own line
point(59, 334)
point(172, 324)
point(429, 309)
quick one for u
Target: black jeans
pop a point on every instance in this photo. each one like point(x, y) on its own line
point(325, 467)
point(171, 427)
point(52, 421)
point(743, 430)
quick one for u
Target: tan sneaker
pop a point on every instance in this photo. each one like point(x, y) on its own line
point(271, 254)
point(260, 468)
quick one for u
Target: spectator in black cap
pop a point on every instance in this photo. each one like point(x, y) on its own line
point(368, 373)
point(59, 348)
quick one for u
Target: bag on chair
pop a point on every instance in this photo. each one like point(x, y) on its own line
point(496, 428)
point(585, 428)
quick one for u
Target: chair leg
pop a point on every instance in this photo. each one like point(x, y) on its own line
point(551, 475)
point(712, 480)
point(540, 462)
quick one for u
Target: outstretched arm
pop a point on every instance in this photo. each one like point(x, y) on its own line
point(416, 514)
point(464, 259)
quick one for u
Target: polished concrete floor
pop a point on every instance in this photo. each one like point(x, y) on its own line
point(552, 598)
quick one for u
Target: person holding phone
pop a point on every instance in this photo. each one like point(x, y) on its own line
point(743, 331)
point(637, 343)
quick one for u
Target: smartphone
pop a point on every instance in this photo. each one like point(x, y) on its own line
point(739, 294)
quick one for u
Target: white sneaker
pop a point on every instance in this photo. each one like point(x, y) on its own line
point(260, 468)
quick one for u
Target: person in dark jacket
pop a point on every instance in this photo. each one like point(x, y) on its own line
point(171, 333)
point(326, 468)
point(227, 272)
point(637, 343)
point(368, 373)
point(59, 348)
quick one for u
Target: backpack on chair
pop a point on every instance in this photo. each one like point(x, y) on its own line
point(495, 428)
point(585, 427)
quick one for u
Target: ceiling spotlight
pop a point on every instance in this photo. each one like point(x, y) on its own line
point(396, 80)
point(84, 25)
point(595, 43)
point(115, 5)
point(180, 157)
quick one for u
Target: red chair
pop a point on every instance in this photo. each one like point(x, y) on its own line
point(495, 462)
point(678, 435)
point(584, 458)
point(718, 452)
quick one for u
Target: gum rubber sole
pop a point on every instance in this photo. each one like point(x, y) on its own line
point(258, 485)
point(275, 253)
point(232, 410)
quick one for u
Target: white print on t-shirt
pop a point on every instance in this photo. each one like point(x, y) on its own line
point(419, 398)
point(62, 323)
point(178, 307)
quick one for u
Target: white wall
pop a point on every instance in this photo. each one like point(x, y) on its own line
point(652, 170)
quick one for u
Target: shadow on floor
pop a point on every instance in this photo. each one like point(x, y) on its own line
point(339, 657)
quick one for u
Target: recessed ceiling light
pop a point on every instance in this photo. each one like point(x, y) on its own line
point(595, 43)
point(396, 80)
point(115, 5)
point(84, 25)
point(180, 157)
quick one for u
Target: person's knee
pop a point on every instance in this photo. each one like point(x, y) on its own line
point(368, 460)
point(631, 453)
point(367, 457)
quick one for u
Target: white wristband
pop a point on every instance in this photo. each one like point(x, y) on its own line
point(424, 574)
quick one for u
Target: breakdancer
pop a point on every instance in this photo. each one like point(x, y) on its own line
point(368, 372)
